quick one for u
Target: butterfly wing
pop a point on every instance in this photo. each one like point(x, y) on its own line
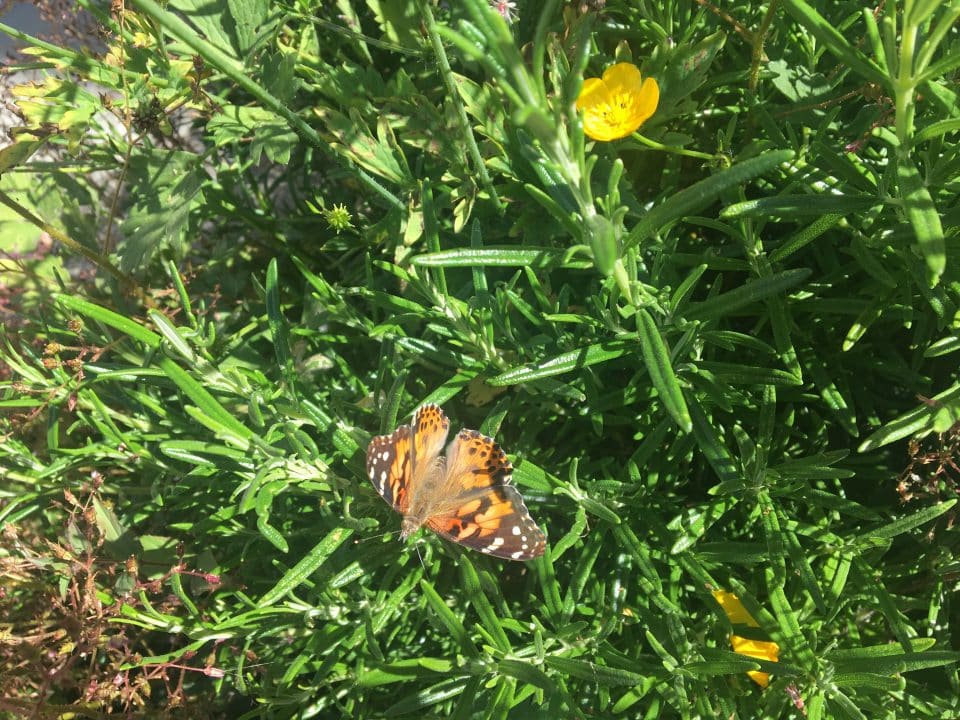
point(485, 512)
point(396, 461)
point(390, 466)
point(430, 428)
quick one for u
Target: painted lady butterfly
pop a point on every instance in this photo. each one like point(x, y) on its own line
point(465, 496)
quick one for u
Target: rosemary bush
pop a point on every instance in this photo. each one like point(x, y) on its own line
point(244, 237)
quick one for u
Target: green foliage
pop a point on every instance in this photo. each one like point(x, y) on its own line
point(721, 355)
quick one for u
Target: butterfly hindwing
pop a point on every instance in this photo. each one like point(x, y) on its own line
point(495, 523)
point(489, 513)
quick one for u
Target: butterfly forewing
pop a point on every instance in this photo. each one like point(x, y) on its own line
point(389, 466)
point(430, 428)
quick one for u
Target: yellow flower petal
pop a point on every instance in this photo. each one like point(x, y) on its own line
point(760, 649)
point(622, 77)
point(594, 90)
point(618, 104)
point(736, 612)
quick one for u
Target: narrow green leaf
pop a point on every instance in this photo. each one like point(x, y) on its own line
point(789, 624)
point(598, 509)
point(490, 256)
point(108, 317)
point(656, 356)
point(307, 566)
point(712, 446)
point(426, 698)
point(449, 620)
point(918, 645)
point(869, 680)
point(203, 399)
point(584, 357)
point(923, 216)
point(848, 55)
point(915, 423)
point(546, 574)
point(734, 374)
point(905, 524)
point(905, 662)
point(844, 707)
point(751, 292)
point(568, 221)
point(720, 667)
point(573, 535)
point(696, 197)
point(275, 319)
point(592, 672)
point(527, 673)
point(793, 206)
point(273, 536)
point(172, 334)
point(478, 598)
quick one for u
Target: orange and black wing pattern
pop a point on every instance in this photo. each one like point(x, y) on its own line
point(489, 513)
point(392, 459)
point(390, 466)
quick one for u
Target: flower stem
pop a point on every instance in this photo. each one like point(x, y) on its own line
point(679, 150)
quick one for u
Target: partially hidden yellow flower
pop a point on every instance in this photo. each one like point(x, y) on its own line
point(760, 649)
point(737, 614)
point(617, 104)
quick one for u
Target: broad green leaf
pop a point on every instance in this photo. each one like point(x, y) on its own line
point(165, 187)
point(265, 131)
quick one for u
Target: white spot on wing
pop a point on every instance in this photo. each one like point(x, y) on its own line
point(383, 476)
point(516, 530)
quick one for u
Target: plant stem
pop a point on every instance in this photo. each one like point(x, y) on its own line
point(454, 97)
point(99, 260)
point(653, 144)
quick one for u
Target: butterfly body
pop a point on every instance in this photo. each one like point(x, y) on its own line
point(463, 495)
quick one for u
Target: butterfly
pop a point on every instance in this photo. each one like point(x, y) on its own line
point(464, 496)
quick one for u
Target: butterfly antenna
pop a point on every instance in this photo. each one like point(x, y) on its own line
point(374, 537)
point(417, 547)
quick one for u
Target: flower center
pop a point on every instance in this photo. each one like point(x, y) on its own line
point(619, 109)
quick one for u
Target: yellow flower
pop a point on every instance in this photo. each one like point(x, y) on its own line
point(618, 104)
point(760, 649)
